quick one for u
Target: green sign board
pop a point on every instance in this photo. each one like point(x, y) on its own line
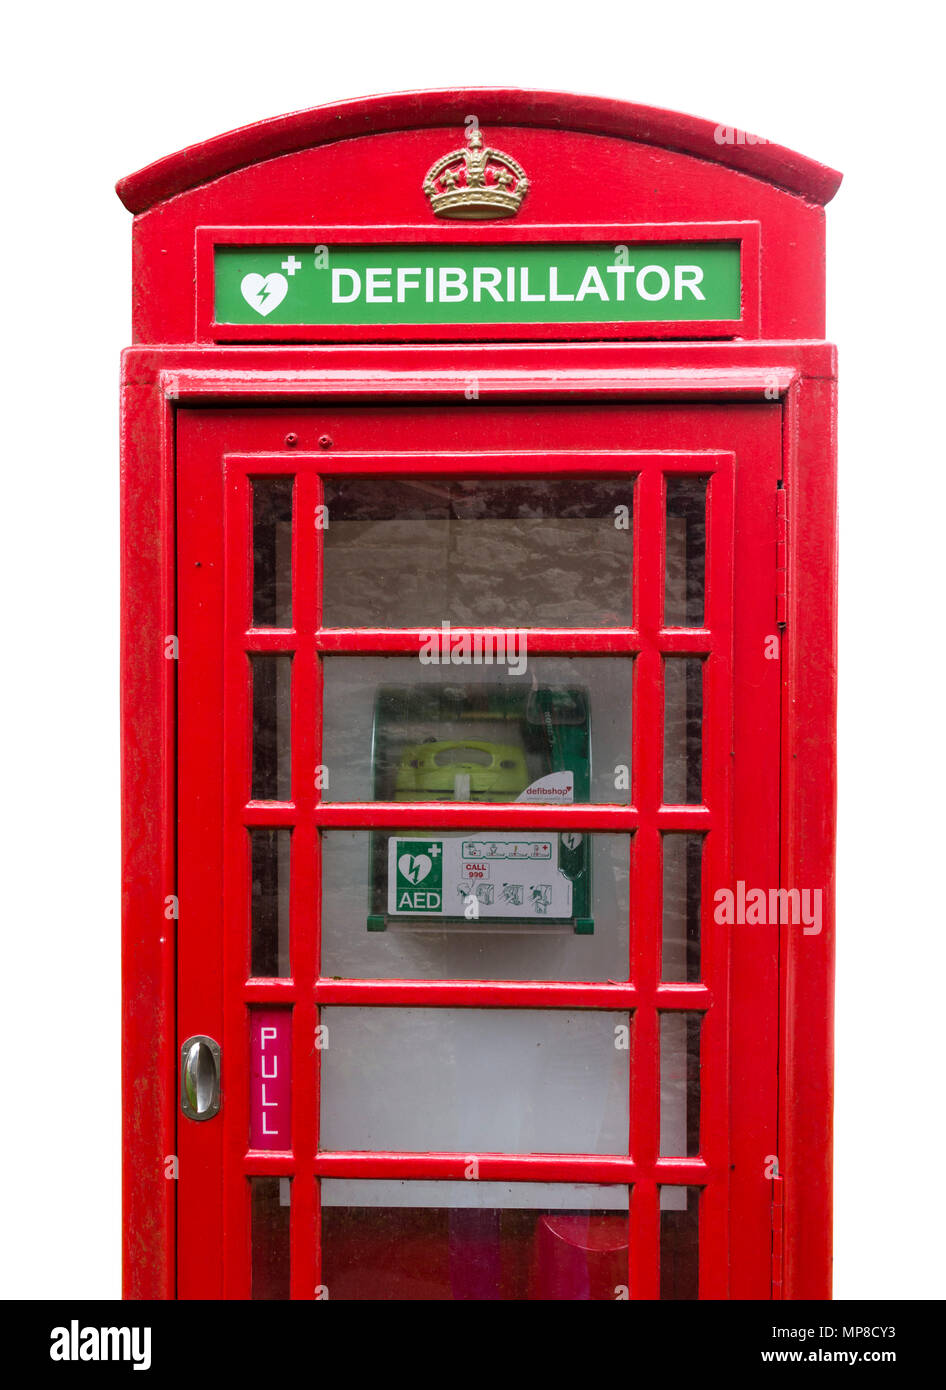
point(417, 284)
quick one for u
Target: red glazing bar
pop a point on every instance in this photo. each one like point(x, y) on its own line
point(475, 815)
point(540, 641)
point(305, 888)
point(714, 1063)
point(645, 938)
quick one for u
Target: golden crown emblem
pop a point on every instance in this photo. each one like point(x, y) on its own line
point(476, 183)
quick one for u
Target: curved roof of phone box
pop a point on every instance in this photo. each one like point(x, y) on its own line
point(495, 107)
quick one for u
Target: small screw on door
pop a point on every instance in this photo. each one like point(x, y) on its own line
point(325, 441)
point(291, 441)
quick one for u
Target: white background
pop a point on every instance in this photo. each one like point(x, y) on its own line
point(94, 91)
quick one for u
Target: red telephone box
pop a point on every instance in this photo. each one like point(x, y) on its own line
point(510, 980)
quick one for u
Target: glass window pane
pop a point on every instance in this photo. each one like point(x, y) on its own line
point(680, 1242)
point(269, 1237)
point(458, 1241)
point(269, 900)
point(272, 552)
point(523, 552)
point(475, 1080)
point(491, 924)
point(682, 895)
point(680, 1084)
point(399, 730)
point(685, 581)
point(683, 730)
point(272, 750)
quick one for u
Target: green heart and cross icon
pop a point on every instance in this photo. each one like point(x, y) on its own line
point(419, 876)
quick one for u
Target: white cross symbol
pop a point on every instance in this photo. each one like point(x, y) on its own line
point(433, 851)
point(291, 266)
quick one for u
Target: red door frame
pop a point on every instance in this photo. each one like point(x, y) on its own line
point(216, 529)
point(156, 381)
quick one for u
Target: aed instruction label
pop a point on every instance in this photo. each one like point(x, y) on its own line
point(509, 876)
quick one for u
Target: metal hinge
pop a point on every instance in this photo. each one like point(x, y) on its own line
point(781, 556)
point(778, 1228)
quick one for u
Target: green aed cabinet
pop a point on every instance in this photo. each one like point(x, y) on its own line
point(481, 743)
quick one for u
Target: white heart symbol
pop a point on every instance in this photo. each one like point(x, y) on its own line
point(264, 292)
point(415, 867)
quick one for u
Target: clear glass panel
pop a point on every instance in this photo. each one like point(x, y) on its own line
point(272, 748)
point(269, 1237)
point(680, 1084)
point(272, 552)
point(682, 896)
point(399, 730)
point(269, 900)
point(683, 730)
point(680, 1243)
point(685, 582)
point(362, 940)
point(510, 552)
point(459, 1241)
point(475, 1080)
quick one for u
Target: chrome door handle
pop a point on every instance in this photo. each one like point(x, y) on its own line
point(200, 1078)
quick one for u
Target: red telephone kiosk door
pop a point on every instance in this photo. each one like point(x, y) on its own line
point(479, 724)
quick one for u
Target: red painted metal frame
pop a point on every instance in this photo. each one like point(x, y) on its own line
point(155, 381)
point(643, 173)
point(360, 164)
point(808, 814)
point(747, 234)
point(738, 1213)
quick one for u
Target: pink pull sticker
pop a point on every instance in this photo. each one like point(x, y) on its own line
point(270, 1092)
